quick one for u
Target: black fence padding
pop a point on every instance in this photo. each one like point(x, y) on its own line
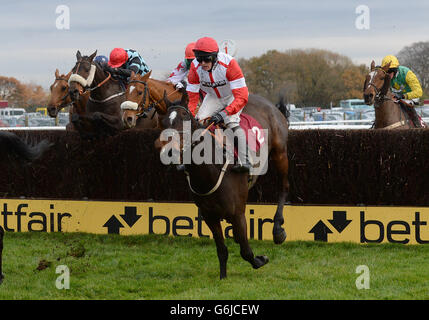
point(338, 167)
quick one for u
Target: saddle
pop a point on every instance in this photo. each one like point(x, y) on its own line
point(411, 112)
point(255, 136)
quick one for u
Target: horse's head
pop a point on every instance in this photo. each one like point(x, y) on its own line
point(137, 99)
point(177, 122)
point(59, 97)
point(82, 76)
point(376, 84)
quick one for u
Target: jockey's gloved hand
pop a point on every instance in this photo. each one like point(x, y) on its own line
point(109, 69)
point(217, 118)
point(399, 96)
point(180, 85)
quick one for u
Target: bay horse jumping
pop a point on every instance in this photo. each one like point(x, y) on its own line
point(11, 144)
point(221, 193)
point(103, 112)
point(142, 95)
point(60, 98)
point(388, 112)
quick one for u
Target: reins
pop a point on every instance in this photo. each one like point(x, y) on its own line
point(61, 106)
point(222, 171)
point(193, 144)
point(87, 87)
point(380, 98)
point(141, 105)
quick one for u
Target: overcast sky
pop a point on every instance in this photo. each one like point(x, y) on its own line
point(32, 47)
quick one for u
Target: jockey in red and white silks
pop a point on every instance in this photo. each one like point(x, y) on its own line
point(179, 75)
point(220, 77)
point(225, 88)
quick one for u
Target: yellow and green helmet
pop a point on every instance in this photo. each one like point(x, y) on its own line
point(394, 63)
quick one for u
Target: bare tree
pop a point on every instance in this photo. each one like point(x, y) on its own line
point(416, 57)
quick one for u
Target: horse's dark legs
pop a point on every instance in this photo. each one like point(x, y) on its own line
point(239, 227)
point(222, 250)
point(1, 252)
point(83, 125)
point(108, 123)
point(282, 165)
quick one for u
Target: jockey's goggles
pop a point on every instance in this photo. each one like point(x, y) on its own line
point(205, 59)
point(394, 70)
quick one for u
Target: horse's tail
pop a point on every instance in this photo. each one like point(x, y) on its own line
point(11, 143)
point(282, 107)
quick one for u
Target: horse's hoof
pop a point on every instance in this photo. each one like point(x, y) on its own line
point(279, 237)
point(260, 261)
point(1, 277)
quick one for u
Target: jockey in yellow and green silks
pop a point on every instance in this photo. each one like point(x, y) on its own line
point(404, 84)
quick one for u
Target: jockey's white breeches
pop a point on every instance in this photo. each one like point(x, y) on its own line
point(212, 105)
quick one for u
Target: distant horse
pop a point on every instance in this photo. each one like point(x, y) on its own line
point(11, 144)
point(221, 193)
point(143, 94)
point(60, 98)
point(103, 112)
point(376, 91)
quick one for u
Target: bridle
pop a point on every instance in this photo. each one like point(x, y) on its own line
point(62, 100)
point(141, 106)
point(86, 83)
point(379, 95)
point(193, 144)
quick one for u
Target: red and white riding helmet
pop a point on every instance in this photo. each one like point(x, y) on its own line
point(118, 57)
point(189, 51)
point(206, 44)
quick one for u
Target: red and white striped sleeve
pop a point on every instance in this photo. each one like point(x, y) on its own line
point(193, 88)
point(178, 74)
point(238, 87)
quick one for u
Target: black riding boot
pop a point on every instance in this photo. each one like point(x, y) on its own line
point(415, 118)
point(243, 164)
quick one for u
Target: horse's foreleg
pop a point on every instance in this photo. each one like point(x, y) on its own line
point(239, 227)
point(107, 122)
point(83, 124)
point(282, 165)
point(222, 250)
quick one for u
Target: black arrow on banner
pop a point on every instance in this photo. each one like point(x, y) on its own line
point(320, 231)
point(113, 225)
point(339, 221)
point(130, 216)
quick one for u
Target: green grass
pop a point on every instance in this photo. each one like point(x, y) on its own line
point(158, 267)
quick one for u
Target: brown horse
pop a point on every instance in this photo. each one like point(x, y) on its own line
point(12, 145)
point(60, 98)
point(142, 95)
point(388, 112)
point(103, 113)
point(221, 193)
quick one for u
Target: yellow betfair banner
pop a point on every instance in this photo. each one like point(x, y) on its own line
point(407, 225)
